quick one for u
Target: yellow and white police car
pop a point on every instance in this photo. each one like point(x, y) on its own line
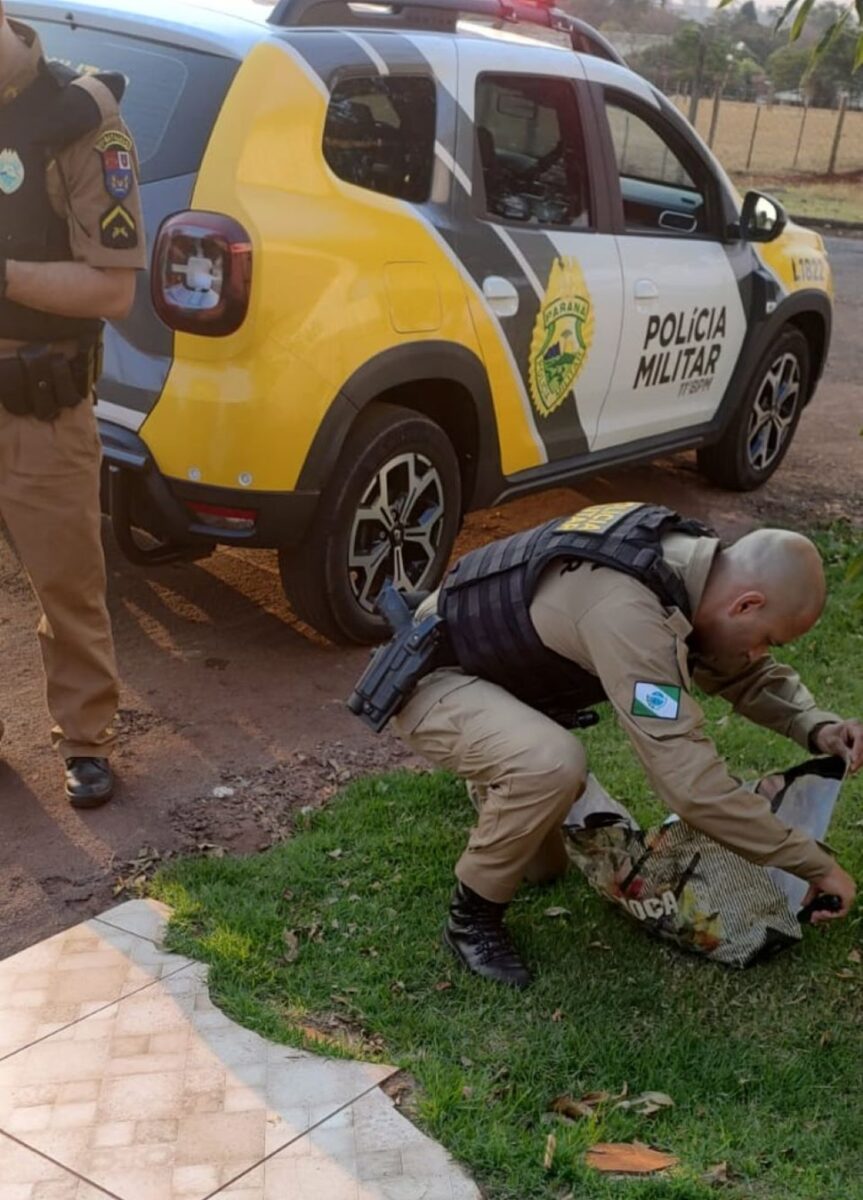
point(408, 262)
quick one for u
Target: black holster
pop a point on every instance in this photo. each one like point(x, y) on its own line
point(396, 668)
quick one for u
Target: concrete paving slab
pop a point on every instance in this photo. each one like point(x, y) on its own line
point(368, 1151)
point(69, 976)
point(28, 1176)
point(121, 1078)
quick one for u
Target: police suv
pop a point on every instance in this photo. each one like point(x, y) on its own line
point(409, 262)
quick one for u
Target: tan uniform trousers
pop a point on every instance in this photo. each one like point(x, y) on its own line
point(523, 772)
point(49, 501)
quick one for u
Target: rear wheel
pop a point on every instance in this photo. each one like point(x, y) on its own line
point(390, 514)
point(761, 430)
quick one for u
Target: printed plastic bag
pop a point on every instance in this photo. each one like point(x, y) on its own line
point(680, 885)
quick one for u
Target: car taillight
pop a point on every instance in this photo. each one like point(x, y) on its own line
point(240, 520)
point(202, 273)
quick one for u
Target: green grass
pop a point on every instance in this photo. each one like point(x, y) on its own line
point(830, 199)
point(764, 1066)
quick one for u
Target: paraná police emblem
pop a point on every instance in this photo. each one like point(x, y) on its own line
point(115, 150)
point(117, 165)
point(561, 337)
point(11, 171)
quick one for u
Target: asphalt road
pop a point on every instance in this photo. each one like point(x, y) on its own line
point(223, 688)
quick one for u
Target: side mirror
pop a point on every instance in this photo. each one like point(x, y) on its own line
point(762, 218)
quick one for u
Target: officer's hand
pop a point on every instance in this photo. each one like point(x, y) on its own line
point(770, 786)
point(843, 738)
point(835, 883)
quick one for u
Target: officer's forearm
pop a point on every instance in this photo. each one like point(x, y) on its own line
point(71, 289)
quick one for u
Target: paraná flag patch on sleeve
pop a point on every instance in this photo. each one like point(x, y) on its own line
point(660, 700)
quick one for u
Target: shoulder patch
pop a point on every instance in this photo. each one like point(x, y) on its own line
point(118, 228)
point(115, 151)
point(113, 139)
point(660, 700)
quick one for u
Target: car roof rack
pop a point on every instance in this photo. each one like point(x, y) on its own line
point(442, 16)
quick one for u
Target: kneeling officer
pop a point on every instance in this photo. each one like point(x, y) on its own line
point(625, 603)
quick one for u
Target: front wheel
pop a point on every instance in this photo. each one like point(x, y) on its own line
point(758, 437)
point(389, 515)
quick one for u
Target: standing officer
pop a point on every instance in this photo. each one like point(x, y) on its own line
point(620, 603)
point(70, 243)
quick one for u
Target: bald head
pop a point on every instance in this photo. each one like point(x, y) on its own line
point(785, 566)
point(765, 590)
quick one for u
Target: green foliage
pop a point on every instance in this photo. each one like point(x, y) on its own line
point(830, 21)
point(787, 66)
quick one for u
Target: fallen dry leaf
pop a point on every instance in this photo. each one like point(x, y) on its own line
point(585, 1106)
point(573, 1110)
point(443, 986)
point(845, 974)
point(556, 911)
point(855, 956)
point(558, 1015)
point(646, 1104)
point(826, 1038)
point(550, 1147)
point(716, 1174)
point(628, 1158)
point(316, 1035)
point(287, 894)
point(292, 945)
point(335, 853)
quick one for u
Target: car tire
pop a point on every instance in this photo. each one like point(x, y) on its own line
point(760, 432)
point(391, 512)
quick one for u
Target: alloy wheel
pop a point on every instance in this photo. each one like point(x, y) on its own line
point(773, 413)
point(397, 528)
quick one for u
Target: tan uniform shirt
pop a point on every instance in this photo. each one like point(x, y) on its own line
point(617, 629)
point(76, 178)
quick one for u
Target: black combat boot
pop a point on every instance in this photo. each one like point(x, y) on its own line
point(89, 782)
point(476, 934)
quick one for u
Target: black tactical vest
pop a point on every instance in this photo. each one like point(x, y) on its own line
point(485, 599)
point(43, 119)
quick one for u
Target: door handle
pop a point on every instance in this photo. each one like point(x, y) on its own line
point(501, 295)
point(646, 289)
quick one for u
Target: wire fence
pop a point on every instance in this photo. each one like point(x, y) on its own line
point(779, 138)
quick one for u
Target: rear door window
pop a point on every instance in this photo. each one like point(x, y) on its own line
point(531, 150)
point(172, 98)
point(380, 134)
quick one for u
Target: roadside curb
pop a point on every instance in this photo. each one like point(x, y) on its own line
point(828, 224)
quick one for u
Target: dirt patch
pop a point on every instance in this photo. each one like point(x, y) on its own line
point(249, 811)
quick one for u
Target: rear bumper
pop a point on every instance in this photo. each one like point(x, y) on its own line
point(161, 506)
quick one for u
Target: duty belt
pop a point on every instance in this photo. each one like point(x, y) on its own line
point(39, 382)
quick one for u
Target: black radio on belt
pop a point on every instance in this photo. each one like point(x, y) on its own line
point(39, 382)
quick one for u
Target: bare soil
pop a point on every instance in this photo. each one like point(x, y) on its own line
point(233, 714)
